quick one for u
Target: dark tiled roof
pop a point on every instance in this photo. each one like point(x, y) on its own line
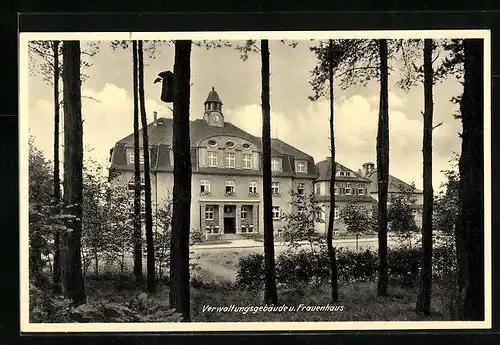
point(213, 96)
point(325, 172)
point(394, 183)
point(160, 138)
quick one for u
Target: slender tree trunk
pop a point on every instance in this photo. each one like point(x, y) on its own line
point(73, 164)
point(181, 212)
point(137, 177)
point(56, 273)
point(471, 166)
point(151, 285)
point(270, 294)
point(329, 235)
point(424, 296)
point(383, 169)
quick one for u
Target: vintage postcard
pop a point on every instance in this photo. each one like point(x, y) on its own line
point(249, 181)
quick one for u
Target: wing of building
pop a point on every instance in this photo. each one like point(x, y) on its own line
point(349, 186)
point(227, 171)
point(396, 187)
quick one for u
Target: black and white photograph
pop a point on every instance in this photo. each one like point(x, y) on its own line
point(230, 181)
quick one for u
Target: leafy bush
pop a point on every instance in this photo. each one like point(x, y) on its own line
point(304, 266)
point(404, 264)
point(47, 307)
point(356, 266)
point(251, 271)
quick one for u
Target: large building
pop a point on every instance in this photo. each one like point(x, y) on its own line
point(227, 171)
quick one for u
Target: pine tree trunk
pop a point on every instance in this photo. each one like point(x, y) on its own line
point(151, 284)
point(424, 296)
point(137, 177)
point(329, 234)
point(383, 169)
point(471, 167)
point(56, 273)
point(270, 294)
point(73, 164)
point(179, 248)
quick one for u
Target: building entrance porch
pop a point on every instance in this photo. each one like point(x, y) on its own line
point(229, 218)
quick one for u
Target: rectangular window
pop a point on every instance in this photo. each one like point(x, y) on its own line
point(336, 189)
point(360, 189)
point(205, 186)
point(348, 189)
point(347, 173)
point(247, 161)
point(301, 166)
point(209, 213)
point(317, 188)
point(212, 159)
point(230, 159)
point(341, 173)
point(300, 188)
point(276, 164)
point(337, 212)
point(131, 156)
point(276, 212)
point(275, 187)
point(244, 212)
point(252, 187)
point(230, 187)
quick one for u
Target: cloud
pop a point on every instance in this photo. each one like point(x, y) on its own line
point(107, 117)
point(356, 120)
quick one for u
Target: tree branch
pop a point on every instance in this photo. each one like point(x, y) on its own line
point(436, 126)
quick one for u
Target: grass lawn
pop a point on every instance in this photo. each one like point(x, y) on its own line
point(357, 302)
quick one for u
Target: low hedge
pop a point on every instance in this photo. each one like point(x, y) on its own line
point(305, 266)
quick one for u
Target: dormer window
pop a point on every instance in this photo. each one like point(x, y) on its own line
point(131, 156)
point(230, 144)
point(246, 146)
point(301, 166)
point(212, 143)
point(276, 164)
point(212, 158)
point(230, 159)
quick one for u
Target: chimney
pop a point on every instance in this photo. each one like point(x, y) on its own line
point(155, 117)
point(368, 168)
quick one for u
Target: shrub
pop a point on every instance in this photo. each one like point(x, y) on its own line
point(304, 267)
point(47, 307)
point(404, 264)
point(354, 267)
point(251, 271)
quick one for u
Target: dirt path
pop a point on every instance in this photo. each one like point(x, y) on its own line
point(216, 271)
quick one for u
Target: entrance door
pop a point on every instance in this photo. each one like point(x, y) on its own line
point(229, 225)
point(229, 219)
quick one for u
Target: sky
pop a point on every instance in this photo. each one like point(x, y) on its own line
point(107, 107)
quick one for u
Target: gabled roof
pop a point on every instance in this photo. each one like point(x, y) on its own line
point(395, 184)
point(325, 172)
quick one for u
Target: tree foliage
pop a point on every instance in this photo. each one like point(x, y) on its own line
point(357, 218)
point(300, 223)
point(400, 214)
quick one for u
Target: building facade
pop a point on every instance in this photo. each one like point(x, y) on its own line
point(350, 186)
point(226, 172)
point(396, 187)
